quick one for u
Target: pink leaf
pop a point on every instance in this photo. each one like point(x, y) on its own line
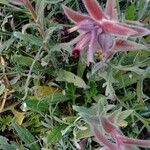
point(141, 31)
point(94, 9)
point(74, 16)
point(125, 45)
point(117, 28)
point(108, 125)
point(103, 140)
point(140, 143)
point(111, 9)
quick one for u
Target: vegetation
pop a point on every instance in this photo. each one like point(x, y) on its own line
point(52, 95)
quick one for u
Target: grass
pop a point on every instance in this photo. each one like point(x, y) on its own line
point(47, 97)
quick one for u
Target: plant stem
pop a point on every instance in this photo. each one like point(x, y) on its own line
point(4, 101)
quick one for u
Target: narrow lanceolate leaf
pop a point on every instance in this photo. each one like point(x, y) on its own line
point(26, 137)
point(2, 89)
point(70, 78)
point(111, 9)
point(94, 9)
point(7, 44)
point(140, 143)
point(18, 2)
point(37, 105)
point(125, 45)
point(131, 11)
point(55, 135)
point(29, 38)
point(74, 16)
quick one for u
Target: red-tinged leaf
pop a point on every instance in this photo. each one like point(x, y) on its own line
point(94, 9)
point(117, 28)
point(102, 139)
point(141, 31)
point(74, 16)
point(136, 142)
point(107, 125)
point(125, 45)
point(111, 9)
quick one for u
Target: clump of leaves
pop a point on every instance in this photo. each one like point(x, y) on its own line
point(105, 126)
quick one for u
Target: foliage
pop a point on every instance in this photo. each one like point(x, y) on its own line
point(51, 100)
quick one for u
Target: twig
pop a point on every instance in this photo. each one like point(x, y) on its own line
point(3, 101)
point(29, 6)
point(29, 74)
point(10, 107)
point(31, 9)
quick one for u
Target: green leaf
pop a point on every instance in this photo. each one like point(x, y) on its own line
point(146, 113)
point(84, 110)
point(29, 38)
point(6, 44)
point(125, 80)
point(130, 14)
point(124, 114)
point(2, 89)
point(26, 137)
point(26, 62)
point(40, 12)
point(92, 91)
point(81, 134)
point(89, 114)
point(36, 105)
point(4, 145)
point(53, 1)
point(50, 30)
point(4, 2)
point(56, 98)
point(55, 135)
point(42, 104)
point(81, 67)
point(5, 121)
point(5, 33)
point(70, 78)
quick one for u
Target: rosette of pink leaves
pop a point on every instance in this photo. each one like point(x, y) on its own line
point(101, 31)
